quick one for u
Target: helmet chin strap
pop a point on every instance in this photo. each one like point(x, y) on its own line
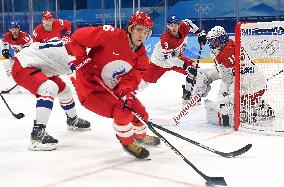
point(133, 47)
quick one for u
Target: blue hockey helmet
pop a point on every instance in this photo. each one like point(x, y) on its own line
point(173, 19)
point(14, 24)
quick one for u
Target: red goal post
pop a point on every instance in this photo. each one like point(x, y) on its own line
point(260, 43)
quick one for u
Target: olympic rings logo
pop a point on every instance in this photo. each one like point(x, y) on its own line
point(269, 47)
point(204, 8)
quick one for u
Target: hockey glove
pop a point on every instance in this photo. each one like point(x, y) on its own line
point(81, 62)
point(127, 98)
point(191, 71)
point(202, 37)
point(6, 53)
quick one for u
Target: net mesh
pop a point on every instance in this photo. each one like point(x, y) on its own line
point(260, 77)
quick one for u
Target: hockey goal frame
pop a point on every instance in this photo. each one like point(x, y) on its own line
point(237, 98)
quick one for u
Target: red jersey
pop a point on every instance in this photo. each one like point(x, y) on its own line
point(227, 55)
point(22, 41)
point(111, 59)
point(59, 27)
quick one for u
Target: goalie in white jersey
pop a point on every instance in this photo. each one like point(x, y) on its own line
point(37, 68)
point(221, 112)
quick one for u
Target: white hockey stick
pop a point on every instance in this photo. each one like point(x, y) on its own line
point(176, 119)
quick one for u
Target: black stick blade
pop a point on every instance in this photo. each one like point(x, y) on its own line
point(212, 181)
point(19, 116)
point(238, 152)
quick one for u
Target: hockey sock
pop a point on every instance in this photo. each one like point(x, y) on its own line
point(69, 107)
point(44, 106)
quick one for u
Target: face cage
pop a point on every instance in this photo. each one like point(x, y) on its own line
point(216, 43)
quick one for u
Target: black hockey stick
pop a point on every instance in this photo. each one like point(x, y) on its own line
point(8, 91)
point(275, 74)
point(209, 180)
point(199, 53)
point(227, 155)
point(18, 116)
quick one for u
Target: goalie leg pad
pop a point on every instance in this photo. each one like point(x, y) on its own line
point(215, 116)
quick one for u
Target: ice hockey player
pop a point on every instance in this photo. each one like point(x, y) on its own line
point(168, 54)
point(53, 28)
point(17, 40)
point(118, 58)
point(37, 69)
point(221, 112)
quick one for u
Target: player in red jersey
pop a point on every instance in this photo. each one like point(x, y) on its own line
point(118, 57)
point(221, 112)
point(168, 54)
point(53, 28)
point(17, 39)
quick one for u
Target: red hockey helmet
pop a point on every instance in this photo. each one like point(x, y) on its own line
point(141, 18)
point(46, 15)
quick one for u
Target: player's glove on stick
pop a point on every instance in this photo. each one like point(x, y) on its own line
point(6, 53)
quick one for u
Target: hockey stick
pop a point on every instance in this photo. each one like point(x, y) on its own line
point(209, 180)
point(18, 116)
point(8, 91)
point(275, 74)
point(189, 104)
point(176, 119)
point(223, 154)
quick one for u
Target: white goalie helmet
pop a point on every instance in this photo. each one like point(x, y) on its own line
point(216, 37)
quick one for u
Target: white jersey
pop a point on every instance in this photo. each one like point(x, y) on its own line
point(167, 58)
point(170, 49)
point(50, 57)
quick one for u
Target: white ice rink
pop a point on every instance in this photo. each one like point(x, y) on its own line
point(96, 159)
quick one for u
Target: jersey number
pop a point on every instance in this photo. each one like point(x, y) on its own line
point(108, 28)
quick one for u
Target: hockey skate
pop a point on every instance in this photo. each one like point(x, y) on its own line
point(136, 150)
point(149, 140)
point(77, 123)
point(40, 140)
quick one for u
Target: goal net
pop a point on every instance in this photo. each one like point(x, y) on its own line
point(259, 77)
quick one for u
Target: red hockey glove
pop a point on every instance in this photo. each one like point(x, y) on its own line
point(127, 98)
point(81, 62)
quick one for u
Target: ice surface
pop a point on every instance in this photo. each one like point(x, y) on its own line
point(95, 158)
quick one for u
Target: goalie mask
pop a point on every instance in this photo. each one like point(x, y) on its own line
point(217, 37)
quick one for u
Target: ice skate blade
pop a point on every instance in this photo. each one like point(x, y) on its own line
point(42, 147)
